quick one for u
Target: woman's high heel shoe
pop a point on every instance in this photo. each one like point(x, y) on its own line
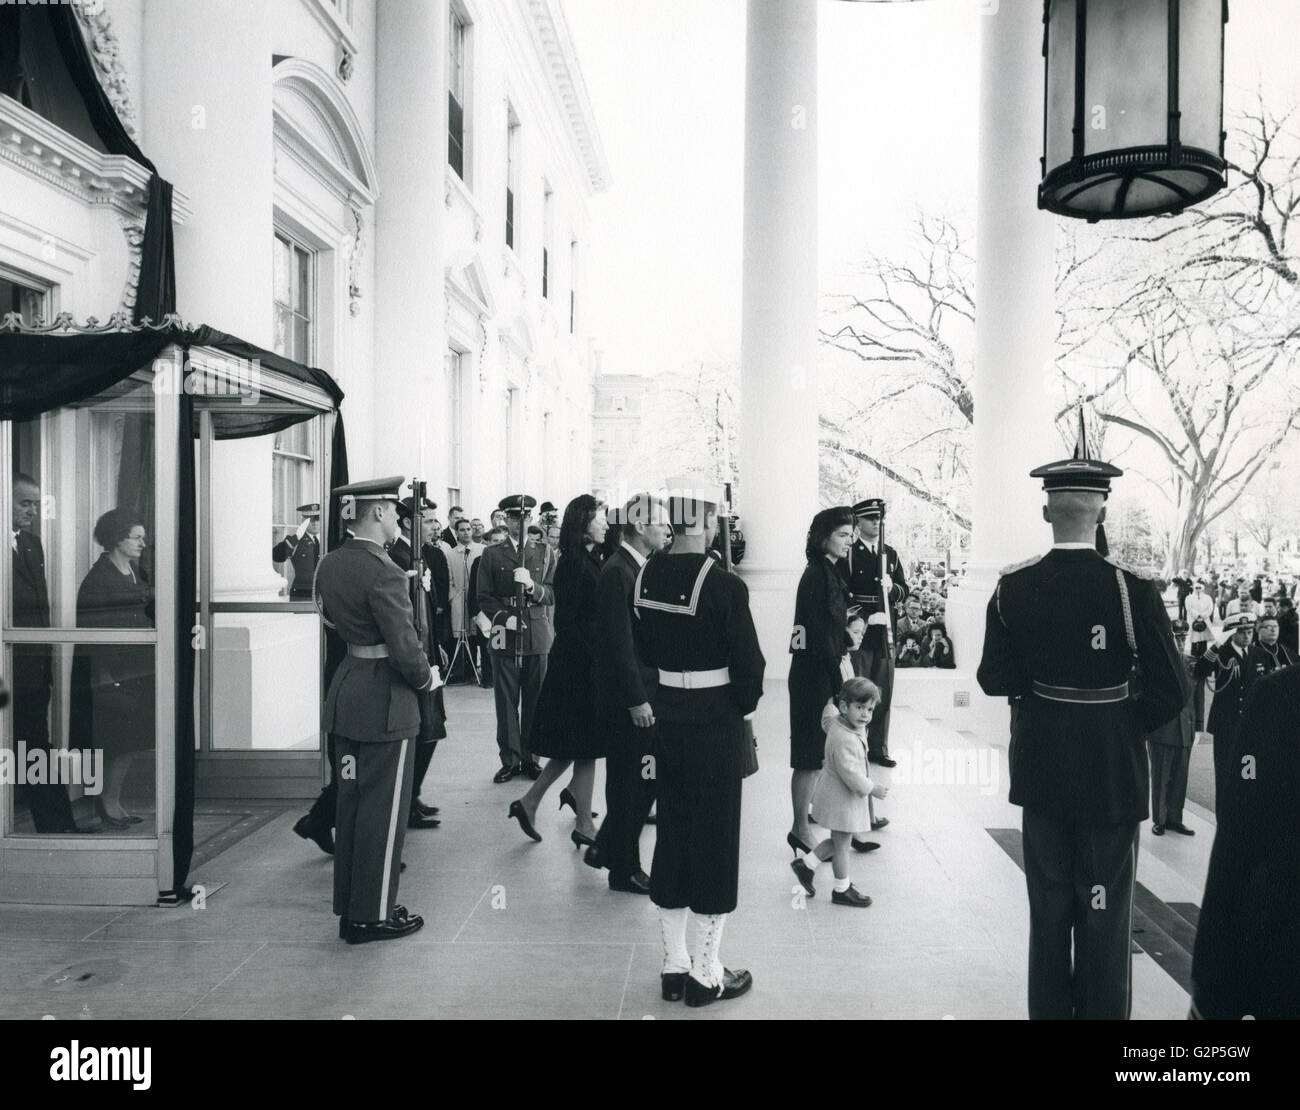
point(580, 840)
point(516, 811)
point(115, 822)
point(567, 799)
point(797, 845)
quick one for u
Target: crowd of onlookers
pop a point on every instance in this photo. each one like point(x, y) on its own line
point(1204, 602)
point(920, 631)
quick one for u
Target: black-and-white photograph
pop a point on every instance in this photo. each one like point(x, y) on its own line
point(651, 509)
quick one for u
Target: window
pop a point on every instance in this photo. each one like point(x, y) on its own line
point(618, 403)
point(294, 293)
point(457, 30)
point(293, 477)
point(512, 171)
point(18, 296)
point(546, 239)
point(455, 438)
point(573, 284)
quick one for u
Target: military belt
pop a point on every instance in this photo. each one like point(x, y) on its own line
point(695, 680)
point(872, 598)
point(368, 651)
point(1075, 695)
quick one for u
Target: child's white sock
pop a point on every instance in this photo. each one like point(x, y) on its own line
point(810, 858)
point(841, 885)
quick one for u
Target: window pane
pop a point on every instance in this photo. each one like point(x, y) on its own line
point(303, 291)
point(84, 513)
point(82, 739)
point(301, 339)
point(283, 330)
point(282, 278)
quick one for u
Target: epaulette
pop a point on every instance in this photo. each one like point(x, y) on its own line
point(1019, 566)
point(1127, 569)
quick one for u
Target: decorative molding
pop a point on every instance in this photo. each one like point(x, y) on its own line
point(102, 44)
point(134, 231)
point(65, 324)
point(354, 257)
point(316, 121)
point(483, 322)
point(347, 63)
point(44, 150)
point(337, 23)
point(550, 32)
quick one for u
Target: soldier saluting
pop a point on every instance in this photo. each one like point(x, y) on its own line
point(373, 711)
point(693, 624)
point(301, 550)
point(1084, 649)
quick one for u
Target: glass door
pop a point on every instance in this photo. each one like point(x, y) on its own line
point(261, 502)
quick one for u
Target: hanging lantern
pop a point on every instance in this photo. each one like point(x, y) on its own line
point(1133, 106)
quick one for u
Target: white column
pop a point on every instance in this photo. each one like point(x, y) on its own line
point(778, 411)
point(410, 298)
point(1014, 332)
point(207, 123)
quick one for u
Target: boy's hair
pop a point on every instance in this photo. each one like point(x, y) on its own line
point(859, 691)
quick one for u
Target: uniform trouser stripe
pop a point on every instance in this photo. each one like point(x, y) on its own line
point(398, 812)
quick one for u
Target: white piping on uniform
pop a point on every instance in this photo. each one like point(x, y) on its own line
point(392, 831)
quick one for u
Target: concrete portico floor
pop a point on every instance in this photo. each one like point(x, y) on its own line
point(517, 929)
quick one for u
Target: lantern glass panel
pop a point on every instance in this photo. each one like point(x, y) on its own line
point(1200, 68)
point(1126, 79)
point(1060, 84)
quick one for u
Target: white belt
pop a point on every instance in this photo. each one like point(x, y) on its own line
point(695, 680)
point(368, 651)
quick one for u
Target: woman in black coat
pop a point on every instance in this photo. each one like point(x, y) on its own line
point(113, 684)
point(566, 727)
point(817, 644)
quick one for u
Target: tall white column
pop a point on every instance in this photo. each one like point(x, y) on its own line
point(1014, 330)
point(207, 123)
point(410, 300)
point(778, 408)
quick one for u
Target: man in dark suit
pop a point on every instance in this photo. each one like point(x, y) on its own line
point(1244, 963)
point(1224, 664)
point(625, 689)
point(372, 709)
point(517, 684)
point(302, 552)
point(32, 674)
point(1057, 641)
point(692, 622)
point(864, 572)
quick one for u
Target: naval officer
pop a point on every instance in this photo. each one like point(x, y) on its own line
point(1057, 641)
point(692, 623)
point(372, 709)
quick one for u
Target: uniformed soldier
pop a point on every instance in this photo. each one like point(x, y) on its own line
point(373, 711)
point(302, 552)
point(1224, 663)
point(433, 713)
point(693, 624)
point(863, 572)
point(517, 687)
point(1057, 643)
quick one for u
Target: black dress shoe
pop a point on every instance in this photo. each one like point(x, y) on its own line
point(516, 811)
point(804, 874)
point(567, 799)
point(582, 840)
point(636, 883)
point(864, 845)
point(851, 897)
point(363, 932)
point(507, 773)
point(673, 985)
point(733, 985)
point(418, 821)
point(1157, 830)
point(531, 768)
point(594, 857)
point(424, 810)
point(308, 830)
point(401, 870)
point(879, 824)
point(1179, 827)
point(343, 928)
point(882, 760)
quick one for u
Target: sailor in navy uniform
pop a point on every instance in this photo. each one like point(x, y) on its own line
point(1056, 642)
point(862, 571)
point(302, 552)
point(692, 623)
point(372, 709)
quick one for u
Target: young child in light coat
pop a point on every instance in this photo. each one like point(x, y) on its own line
point(839, 800)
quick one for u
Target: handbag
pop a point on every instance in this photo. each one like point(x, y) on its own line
point(748, 750)
point(1199, 625)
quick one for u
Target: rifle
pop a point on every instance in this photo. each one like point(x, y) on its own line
point(885, 583)
point(750, 743)
point(725, 517)
point(417, 555)
point(519, 587)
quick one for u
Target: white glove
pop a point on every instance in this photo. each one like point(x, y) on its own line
point(511, 623)
point(878, 618)
point(483, 624)
point(427, 580)
point(302, 528)
point(435, 678)
point(523, 578)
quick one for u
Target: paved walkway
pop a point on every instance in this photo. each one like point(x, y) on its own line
point(517, 929)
